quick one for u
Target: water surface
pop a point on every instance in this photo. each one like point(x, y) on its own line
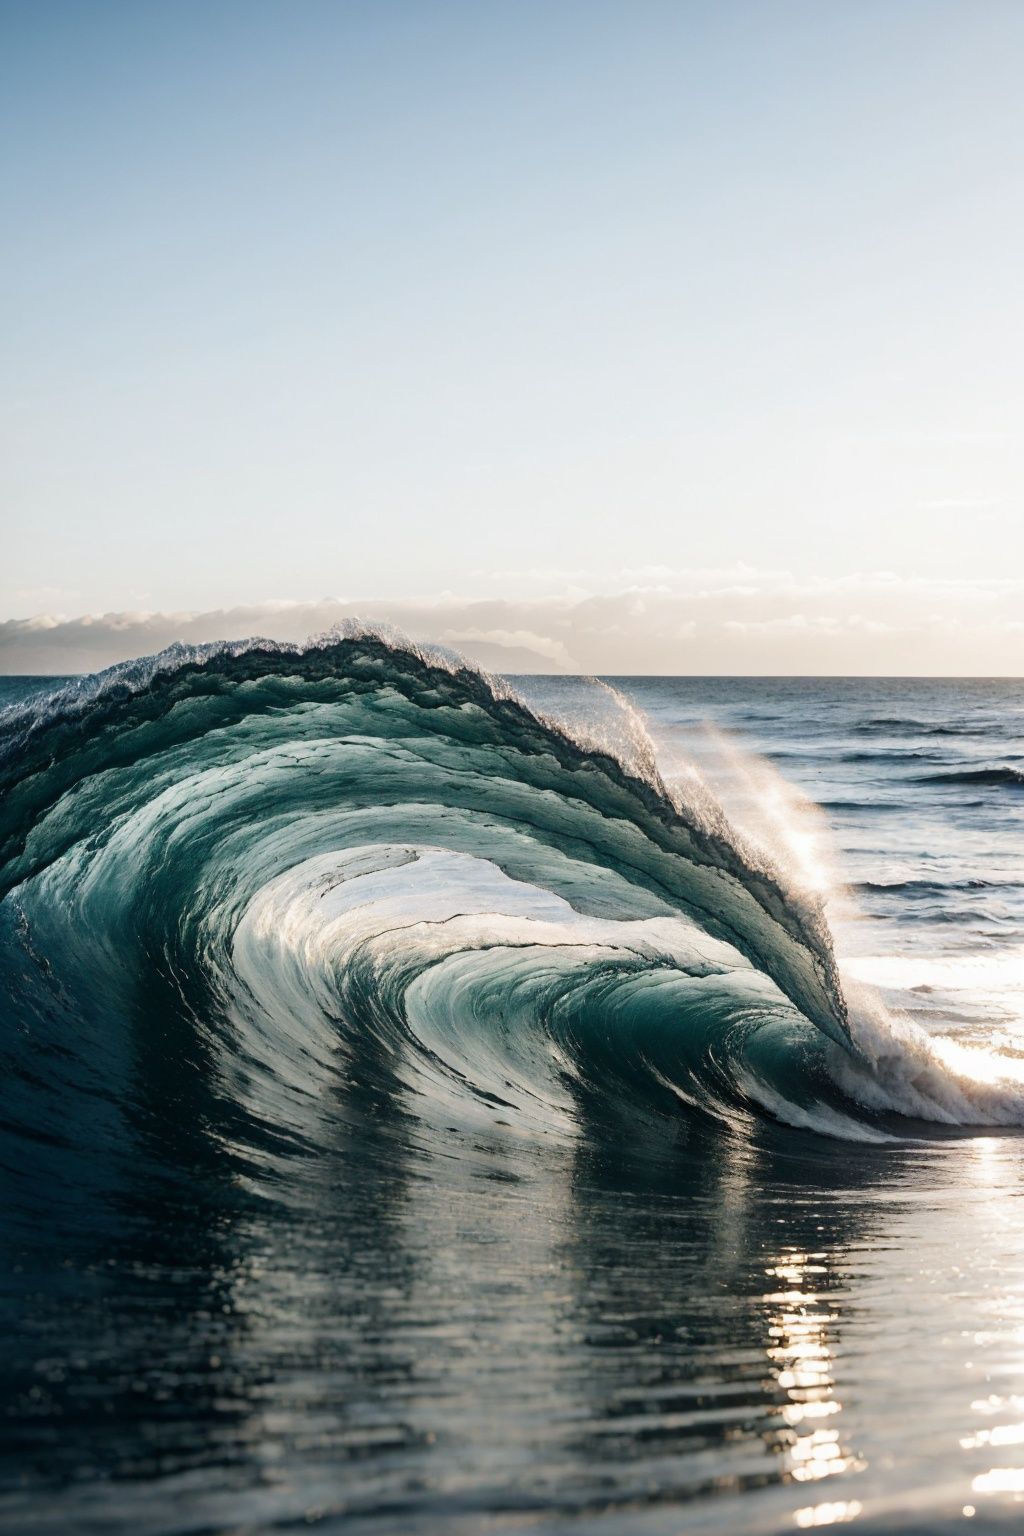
point(397, 1135)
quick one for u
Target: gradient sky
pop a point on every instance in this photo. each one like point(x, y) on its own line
point(508, 300)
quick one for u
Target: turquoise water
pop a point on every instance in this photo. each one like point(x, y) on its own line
point(415, 1118)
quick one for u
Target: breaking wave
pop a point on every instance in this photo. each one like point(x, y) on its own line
point(240, 882)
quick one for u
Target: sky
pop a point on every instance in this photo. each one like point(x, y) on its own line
point(668, 337)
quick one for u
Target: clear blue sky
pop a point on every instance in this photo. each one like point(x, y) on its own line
point(392, 298)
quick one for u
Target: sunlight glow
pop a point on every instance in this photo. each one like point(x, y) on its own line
point(1001, 1480)
point(800, 1352)
point(827, 1514)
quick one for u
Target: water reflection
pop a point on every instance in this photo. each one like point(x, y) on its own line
point(995, 1342)
point(434, 1327)
point(712, 1326)
point(802, 1322)
point(521, 1329)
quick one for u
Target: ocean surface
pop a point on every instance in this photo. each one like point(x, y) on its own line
point(426, 1111)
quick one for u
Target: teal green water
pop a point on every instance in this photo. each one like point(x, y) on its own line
point(416, 1116)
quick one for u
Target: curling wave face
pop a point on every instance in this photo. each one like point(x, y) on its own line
point(275, 868)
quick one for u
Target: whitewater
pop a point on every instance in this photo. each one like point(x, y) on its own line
point(433, 1103)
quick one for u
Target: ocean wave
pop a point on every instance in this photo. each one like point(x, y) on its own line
point(893, 757)
point(273, 875)
point(1004, 775)
point(896, 725)
point(923, 887)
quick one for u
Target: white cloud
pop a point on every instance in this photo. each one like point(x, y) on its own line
point(715, 621)
point(513, 639)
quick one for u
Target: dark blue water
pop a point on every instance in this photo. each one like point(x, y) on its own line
point(411, 1121)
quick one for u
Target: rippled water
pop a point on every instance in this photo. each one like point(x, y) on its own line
point(472, 1183)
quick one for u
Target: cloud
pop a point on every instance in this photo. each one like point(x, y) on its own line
point(723, 620)
point(528, 640)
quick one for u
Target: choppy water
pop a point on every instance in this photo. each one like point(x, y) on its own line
point(414, 1118)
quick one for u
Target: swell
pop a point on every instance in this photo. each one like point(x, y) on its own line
point(936, 887)
point(895, 725)
point(1002, 776)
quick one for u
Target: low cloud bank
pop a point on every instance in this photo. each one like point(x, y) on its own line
point(733, 621)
